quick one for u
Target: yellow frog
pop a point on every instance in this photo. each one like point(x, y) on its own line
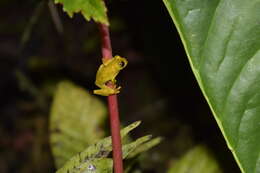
point(107, 72)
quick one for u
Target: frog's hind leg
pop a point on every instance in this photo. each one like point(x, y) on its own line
point(107, 91)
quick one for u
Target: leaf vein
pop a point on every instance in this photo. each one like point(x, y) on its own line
point(207, 35)
point(231, 88)
point(227, 43)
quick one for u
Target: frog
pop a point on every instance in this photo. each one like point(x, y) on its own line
point(106, 73)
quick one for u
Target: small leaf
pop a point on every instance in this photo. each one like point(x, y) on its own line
point(94, 158)
point(101, 149)
point(90, 9)
point(129, 148)
point(74, 123)
point(144, 147)
point(197, 160)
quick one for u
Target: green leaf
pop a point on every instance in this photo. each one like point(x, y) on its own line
point(222, 41)
point(146, 146)
point(76, 117)
point(129, 148)
point(90, 9)
point(94, 152)
point(197, 160)
point(95, 157)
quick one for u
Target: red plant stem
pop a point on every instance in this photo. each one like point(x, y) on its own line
point(112, 105)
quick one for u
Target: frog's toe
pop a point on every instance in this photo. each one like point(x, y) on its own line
point(117, 91)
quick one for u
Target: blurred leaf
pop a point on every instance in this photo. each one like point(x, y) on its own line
point(75, 120)
point(35, 63)
point(90, 9)
point(94, 158)
point(222, 41)
point(197, 160)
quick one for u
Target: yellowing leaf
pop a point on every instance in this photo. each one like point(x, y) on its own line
point(90, 9)
point(75, 120)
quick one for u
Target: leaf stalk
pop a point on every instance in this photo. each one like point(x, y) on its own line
point(112, 105)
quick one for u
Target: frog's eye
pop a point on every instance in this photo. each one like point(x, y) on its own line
point(121, 64)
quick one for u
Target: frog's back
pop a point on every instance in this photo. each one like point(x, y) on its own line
point(102, 75)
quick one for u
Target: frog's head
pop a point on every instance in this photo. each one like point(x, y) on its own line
point(121, 62)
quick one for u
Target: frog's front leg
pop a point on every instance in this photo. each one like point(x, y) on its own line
point(113, 81)
point(106, 91)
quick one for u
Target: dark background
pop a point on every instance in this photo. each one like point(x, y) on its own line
point(158, 86)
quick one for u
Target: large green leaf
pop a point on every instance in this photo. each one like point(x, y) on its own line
point(90, 9)
point(222, 41)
